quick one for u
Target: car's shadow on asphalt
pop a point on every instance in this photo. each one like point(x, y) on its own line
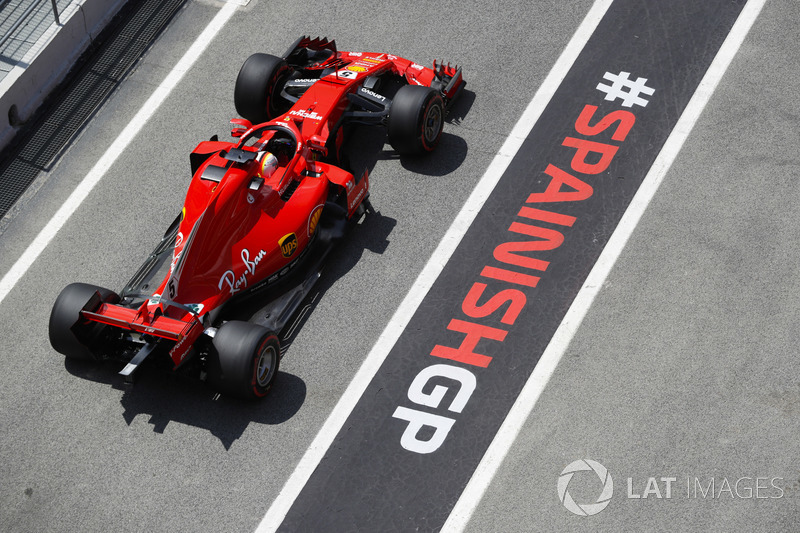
point(167, 397)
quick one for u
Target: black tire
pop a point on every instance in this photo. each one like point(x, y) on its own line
point(257, 90)
point(416, 119)
point(69, 333)
point(244, 361)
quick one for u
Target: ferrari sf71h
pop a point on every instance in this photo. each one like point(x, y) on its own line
point(260, 216)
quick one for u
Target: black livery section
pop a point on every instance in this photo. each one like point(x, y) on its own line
point(422, 426)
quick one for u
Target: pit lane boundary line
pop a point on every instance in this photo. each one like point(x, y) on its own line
point(85, 187)
point(321, 443)
point(526, 401)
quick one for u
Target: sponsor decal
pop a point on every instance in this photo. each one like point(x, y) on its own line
point(284, 186)
point(372, 60)
point(175, 259)
point(177, 252)
point(355, 68)
point(288, 244)
point(250, 198)
point(235, 284)
point(416, 67)
point(373, 94)
point(357, 198)
point(172, 285)
point(180, 348)
point(313, 220)
point(313, 115)
point(534, 232)
point(355, 54)
point(154, 299)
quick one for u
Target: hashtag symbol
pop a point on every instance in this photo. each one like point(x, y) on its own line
point(626, 90)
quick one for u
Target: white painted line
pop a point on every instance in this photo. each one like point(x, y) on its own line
point(527, 399)
point(122, 141)
point(277, 511)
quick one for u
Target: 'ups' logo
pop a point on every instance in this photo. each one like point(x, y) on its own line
point(288, 244)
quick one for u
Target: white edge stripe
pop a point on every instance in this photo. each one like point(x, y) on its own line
point(81, 192)
point(315, 452)
point(530, 394)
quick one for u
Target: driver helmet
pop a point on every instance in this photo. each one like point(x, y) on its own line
point(267, 165)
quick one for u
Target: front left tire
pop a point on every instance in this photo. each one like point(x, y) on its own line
point(256, 94)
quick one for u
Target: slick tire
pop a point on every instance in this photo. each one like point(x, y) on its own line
point(70, 334)
point(258, 85)
point(416, 119)
point(244, 361)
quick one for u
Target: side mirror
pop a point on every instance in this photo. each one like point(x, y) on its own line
point(239, 126)
point(317, 144)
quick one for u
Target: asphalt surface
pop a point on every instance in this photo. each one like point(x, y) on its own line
point(683, 366)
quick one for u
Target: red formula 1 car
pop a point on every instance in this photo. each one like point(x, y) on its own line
point(260, 217)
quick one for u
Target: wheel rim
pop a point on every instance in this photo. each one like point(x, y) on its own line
point(433, 124)
point(265, 368)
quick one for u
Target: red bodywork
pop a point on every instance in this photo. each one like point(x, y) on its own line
point(237, 230)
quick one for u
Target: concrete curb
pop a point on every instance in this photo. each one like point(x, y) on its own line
point(50, 59)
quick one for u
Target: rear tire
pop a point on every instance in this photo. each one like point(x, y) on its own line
point(244, 361)
point(416, 120)
point(257, 90)
point(70, 334)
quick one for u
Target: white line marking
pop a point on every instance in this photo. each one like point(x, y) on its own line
point(277, 511)
point(527, 399)
point(122, 141)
